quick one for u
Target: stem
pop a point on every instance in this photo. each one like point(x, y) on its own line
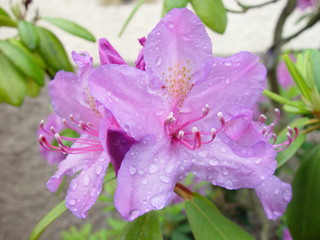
point(245, 8)
point(311, 129)
point(183, 191)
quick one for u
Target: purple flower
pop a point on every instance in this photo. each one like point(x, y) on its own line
point(101, 138)
point(286, 235)
point(303, 4)
point(54, 121)
point(188, 112)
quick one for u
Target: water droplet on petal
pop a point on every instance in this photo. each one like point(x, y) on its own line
point(229, 184)
point(99, 169)
point(262, 177)
point(132, 170)
point(276, 191)
point(203, 153)
point(72, 202)
point(153, 168)
point(169, 169)
point(227, 80)
point(258, 161)
point(225, 171)
point(213, 162)
point(92, 191)
point(158, 33)
point(145, 201)
point(223, 150)
point(74, 186)
point(145, 181)
point(228, 64)
point(134, 214)
point(185, 37)
point(140, 171)
point(286, 195)
point(158, 60)
point(86, 180)
point(164, 179)
point(158, 202)
point(170, 25)
point(214, 64)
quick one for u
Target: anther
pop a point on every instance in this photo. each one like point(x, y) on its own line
point(221, 118)
point(180, 135)
point(195, 130)
point(206, 110)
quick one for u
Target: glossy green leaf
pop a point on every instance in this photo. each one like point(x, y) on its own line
point(51, 216)
point(212, 13)
point(145, 227)
point(208, 223)
point(71, 27)
point(52, 51)
point(23, 60)
point(315, 61)
point(285, 155)
point(303, 213)
point(297, 77)
point(28, 34)
point(7, 22)
point(4, 13)
point(170, 4)
point(12, 83)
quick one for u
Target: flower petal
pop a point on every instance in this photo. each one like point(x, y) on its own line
point(126, 93)
point(108, 55)
point(72, 164)
point(67, 88)
point(87, 186)
point(274, 195)
point(221, 165)
point(234, 84)
point(147, 178)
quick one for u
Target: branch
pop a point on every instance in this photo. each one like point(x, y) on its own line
point(245, 8)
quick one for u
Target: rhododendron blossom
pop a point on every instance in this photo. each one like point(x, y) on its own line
point(188, 111)
point(90, 154)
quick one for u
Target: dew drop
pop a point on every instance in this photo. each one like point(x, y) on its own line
point(169, 169)
point(74, 186)
point(91, 191)
point(276, 191)
point(153, 168)
point(157, 202)
point(185, 37)
point(214, 64)
point(203, 154)
point(149, 192)
point(164, 179)
point(158, 60)
point(225, 171)
point(170, 25)
point(86, 180)
point(229, 185)
point(213, 162)
point(145, 181)
point(258, 161)
point(99, 169)
point(262, 177)
point(286, 195)
point(227, 80)
point(134, 214)
point(72, 202)
point(132, 170)
point(140, 171)
point(145, 201)
point(223, 150)
point(158, 33)
point(228, 64)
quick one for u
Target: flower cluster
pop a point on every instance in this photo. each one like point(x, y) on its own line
point(178, 111)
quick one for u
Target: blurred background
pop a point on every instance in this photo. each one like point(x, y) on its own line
point(24, 199)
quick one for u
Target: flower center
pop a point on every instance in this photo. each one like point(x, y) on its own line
point(87, 145)
point(193, 139)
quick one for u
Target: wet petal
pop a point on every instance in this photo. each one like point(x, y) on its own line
point(147, 178)
point(232, 166)
point(126, 93)
point(274, 195)
point(72, 164)
point(87, 186)
point(234, 84)
point(140, 63)
point(108, 55)
point(67, 88)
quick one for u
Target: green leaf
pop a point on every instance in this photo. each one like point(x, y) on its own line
point(52, 51)
point(212, 13)
point(303, 213)
point(51, 216)
point(12, 82)
point(32, 89)
point(23, 60)
point(4, 13)
point(170, 4)
point(285, 155)
point(208, 223)
point(145, 227)
point(28, 34)
point(133, 12)
point(297, 77)
point(71, 27)
point(7, 22)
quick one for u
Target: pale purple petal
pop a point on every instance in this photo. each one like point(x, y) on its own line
point(235, 84)
point(126, 93)
point(108, 55)
point(284, 76)
point(69, 96)
point(147, 178)
point(53, 120)
point(286, 235)
point(87, 186)
point(72, 164)
point(226, 164)
point(83, 61)
point(303, 4)
point(274, 195)
point(140, 63)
